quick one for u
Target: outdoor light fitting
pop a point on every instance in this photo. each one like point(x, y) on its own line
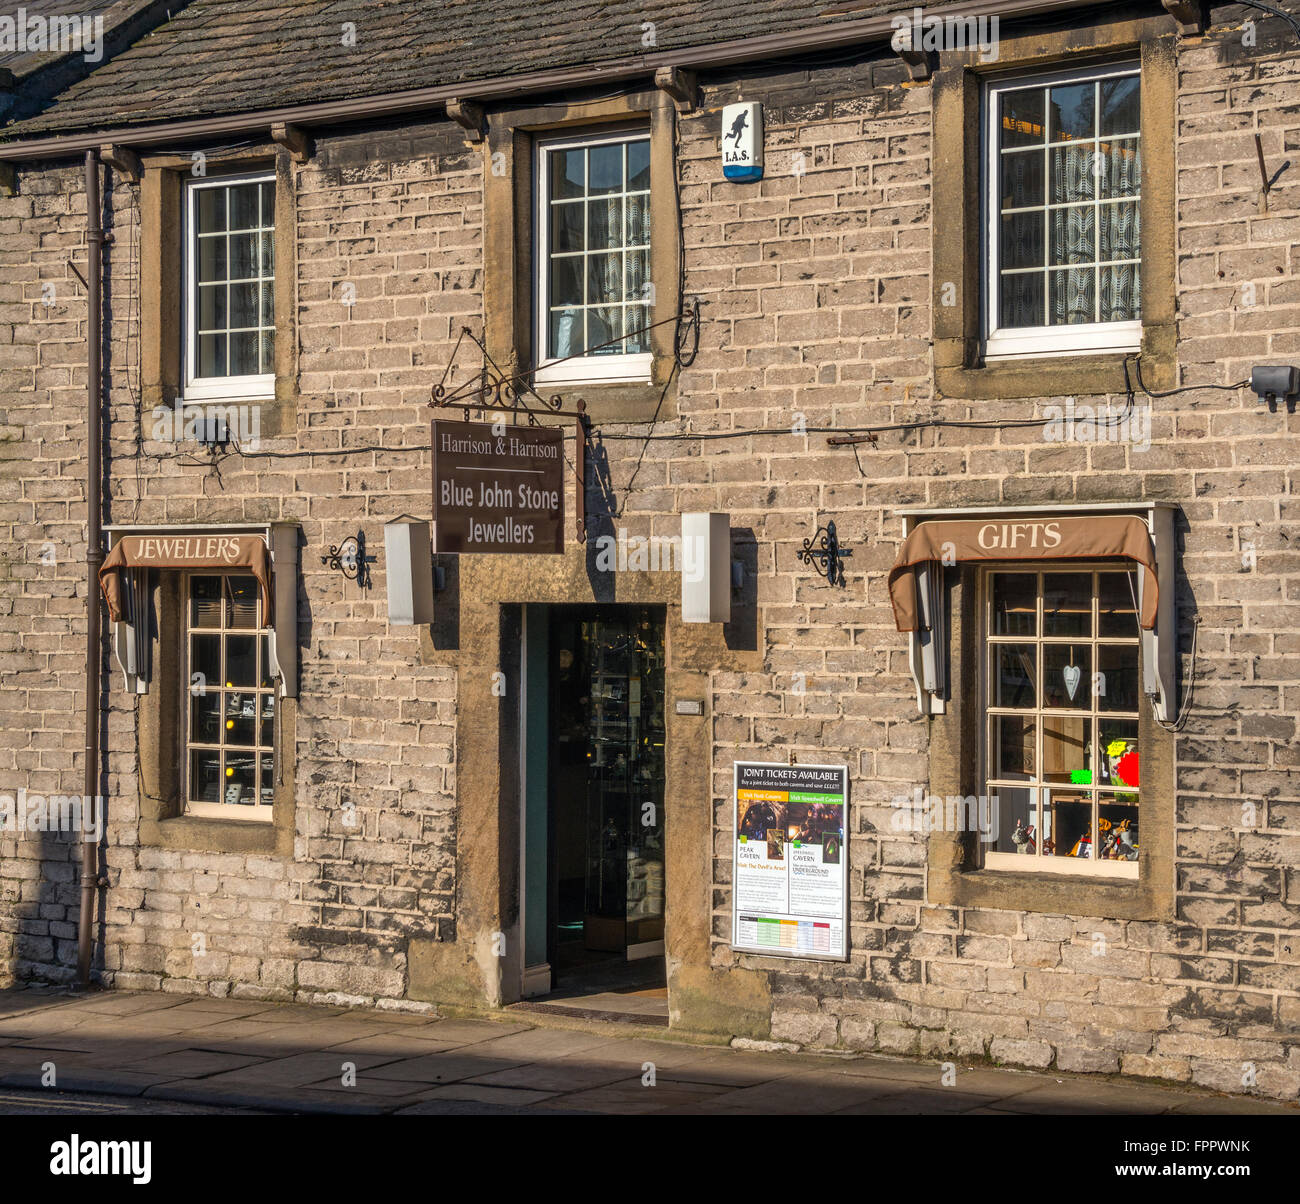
point(1274, 382)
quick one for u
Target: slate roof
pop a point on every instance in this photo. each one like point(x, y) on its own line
point(218, 57)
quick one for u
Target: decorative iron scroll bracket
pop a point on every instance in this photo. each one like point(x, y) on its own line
point(491, 389)
point(826, 557)
point(350, 559)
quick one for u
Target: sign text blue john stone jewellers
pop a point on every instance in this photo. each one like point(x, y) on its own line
point(497, 488)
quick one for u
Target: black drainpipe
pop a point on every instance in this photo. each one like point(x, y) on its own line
point(94, 558)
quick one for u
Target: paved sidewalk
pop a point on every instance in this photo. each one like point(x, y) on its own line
point(226, 1052)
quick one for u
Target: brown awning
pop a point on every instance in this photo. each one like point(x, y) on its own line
point(1096, 537)
point(212, 552)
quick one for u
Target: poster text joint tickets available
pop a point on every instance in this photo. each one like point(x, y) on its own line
point(789, 885)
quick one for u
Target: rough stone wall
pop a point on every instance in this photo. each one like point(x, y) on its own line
point(398, 219)
point(816, 302)
point(818, 291)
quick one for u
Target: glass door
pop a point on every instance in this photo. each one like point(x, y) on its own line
point(609, 707)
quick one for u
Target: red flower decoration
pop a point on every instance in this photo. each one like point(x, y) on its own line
point(1127, 768)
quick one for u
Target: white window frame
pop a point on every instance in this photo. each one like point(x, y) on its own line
point(1019, 342)
point(259, 812)
point(1040, 863)
point(588, 368)
point(258, 387)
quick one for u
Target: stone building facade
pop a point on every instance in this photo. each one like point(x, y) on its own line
point(839, 295)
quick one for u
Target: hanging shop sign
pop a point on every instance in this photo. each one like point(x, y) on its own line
point(789, 878)
point(497, 488)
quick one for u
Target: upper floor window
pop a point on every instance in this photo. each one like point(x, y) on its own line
point(229, 348)
point(593, 295)
point(1063, 213)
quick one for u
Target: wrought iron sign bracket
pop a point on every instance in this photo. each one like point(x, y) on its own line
point(826, 557)
point(350, 559)
point(491, 389)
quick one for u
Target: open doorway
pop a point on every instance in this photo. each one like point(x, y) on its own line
point(604, 803)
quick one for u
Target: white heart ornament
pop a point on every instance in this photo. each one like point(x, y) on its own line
point(1072, 675)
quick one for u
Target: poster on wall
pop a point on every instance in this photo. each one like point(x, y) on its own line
point(789, 895)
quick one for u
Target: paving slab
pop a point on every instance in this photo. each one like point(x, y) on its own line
point(510, 1097)
point(556, 1076)
point(450, 1067)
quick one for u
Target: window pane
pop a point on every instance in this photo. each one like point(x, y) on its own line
point(212, 355)
point(1121, 293)
point(1117, 605)
point(1022, 300)
point(1067, 744)
point(240, 784)
point(1014, 737)
point(606, 168)
point(1071, 111)
point(638, 221)
point(1072, 173)
point(567, 336)
point(212, 258)
point(241, 660)
point(604, 278)
point(568, 173)
point(604, 325)
point(1068, 821)
point(1067, 676)
point(605, 223)
point(264, 651)
point(268, 781)
point(566, 280)
point(1015, 603)
point(1022, 121)
point(1022, 179)
point(1120, 230)
point(205, 776)
point(243, 207)
point(1022, 240)
point(268, 203)
point(266, 315)
point(1117, 755)
point(205, 602)
point(1017, 823)
point(205, 659)
point(266, 350)
point(1013, 676)
point(210, 209)
point(637, 318)
point(243, 256)
point(1119, 829)
point(567, 228)
point(1067, 604)
point(212, 307)
point(1117, 685)
point(1073, 295)
point(244, 354)
point(205, 717)
point(242, 593)
point(241, 719)
point(1121, 108)
point(266, 254)
point(1073, 235)
point(244, 306)
point(1120, 169)
point(638, 165)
